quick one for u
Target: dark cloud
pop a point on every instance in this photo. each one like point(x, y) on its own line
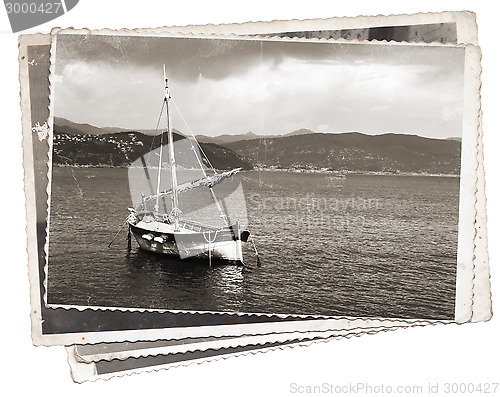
point(231, 86)
point(217, 59)
point(184, 57)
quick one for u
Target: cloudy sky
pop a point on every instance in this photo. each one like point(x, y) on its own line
point(270, 87)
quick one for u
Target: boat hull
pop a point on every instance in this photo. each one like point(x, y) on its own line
point(219, 246)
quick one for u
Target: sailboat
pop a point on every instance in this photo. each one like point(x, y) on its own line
point(172, 233)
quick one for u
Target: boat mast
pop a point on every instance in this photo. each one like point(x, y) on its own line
point(157, 200)
point(175, 199)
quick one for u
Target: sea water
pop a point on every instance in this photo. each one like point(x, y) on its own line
point(363, 245)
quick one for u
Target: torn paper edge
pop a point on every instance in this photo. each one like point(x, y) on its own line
point(29, 181)
point(99, 353)
point(482, 309)
point(82, 371)
point(465, 25)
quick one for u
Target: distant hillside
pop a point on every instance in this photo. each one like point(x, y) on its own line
point(302, 131)
point(84, 144)
point(353, 152)
point(74, 147)
point(71, 128)
point(225, 139)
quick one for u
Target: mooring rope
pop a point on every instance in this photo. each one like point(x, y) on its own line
point(255, 249)
point(117, 233)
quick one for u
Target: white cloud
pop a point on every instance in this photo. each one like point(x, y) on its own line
point(270, 97)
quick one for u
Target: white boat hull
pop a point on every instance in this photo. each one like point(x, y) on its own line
point(222, 244)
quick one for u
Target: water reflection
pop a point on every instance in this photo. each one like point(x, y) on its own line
point(171, 280)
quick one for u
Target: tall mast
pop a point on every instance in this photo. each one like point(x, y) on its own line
point(173, 171)
point(158, 179)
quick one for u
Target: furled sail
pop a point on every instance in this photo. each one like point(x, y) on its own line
point(207, 196)
point(209, 181)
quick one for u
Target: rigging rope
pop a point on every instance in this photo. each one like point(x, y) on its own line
point(146, 162)
point(223, 214)
point(194, 137)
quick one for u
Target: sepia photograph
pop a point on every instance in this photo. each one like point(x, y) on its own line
point(275, 198)
point(250, 175)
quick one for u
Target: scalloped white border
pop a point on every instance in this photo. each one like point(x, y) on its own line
point(467, 33)
point(84, 371)
point(463, 306)
point(465, 22)
point(100, 352)
point(482, 308)
point(29, 181)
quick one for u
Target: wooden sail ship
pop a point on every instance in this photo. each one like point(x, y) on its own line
point(171, 233)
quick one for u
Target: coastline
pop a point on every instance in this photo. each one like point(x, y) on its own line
point(335, 173)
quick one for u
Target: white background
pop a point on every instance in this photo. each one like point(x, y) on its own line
point(467, 353)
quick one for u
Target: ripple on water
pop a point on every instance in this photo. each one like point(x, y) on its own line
point(368, 246)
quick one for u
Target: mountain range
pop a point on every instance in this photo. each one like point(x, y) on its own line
point(71, 128)
point(85, 144)
point(225, 139)
point(353, 151)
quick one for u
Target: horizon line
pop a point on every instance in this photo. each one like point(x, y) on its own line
point(271, 135)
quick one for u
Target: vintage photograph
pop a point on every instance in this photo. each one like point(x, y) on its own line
point(203, 192)
point(255, 176)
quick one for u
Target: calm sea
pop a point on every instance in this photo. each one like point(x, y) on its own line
point(364, 246)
